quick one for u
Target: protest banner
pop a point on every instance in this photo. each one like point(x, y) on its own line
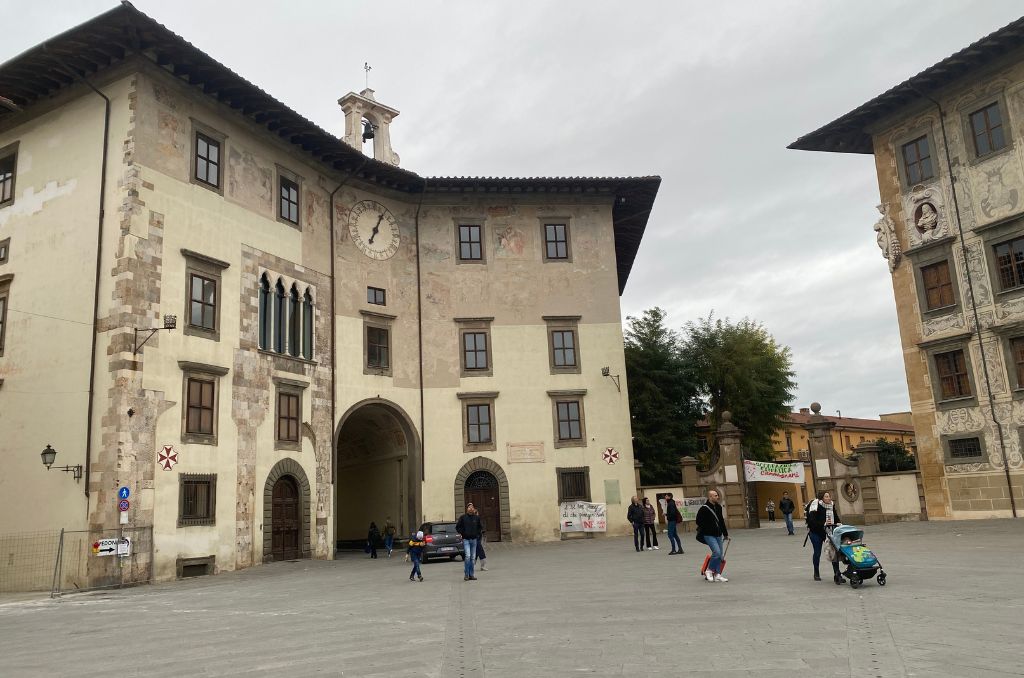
point(583, 516)
point(766, 471)
point(687, 506)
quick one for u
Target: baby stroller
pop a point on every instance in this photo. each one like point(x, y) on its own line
point(860, 562)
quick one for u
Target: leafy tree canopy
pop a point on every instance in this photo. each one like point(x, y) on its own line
point(893, 455)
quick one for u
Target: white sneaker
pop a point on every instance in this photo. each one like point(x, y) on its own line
point(719, 577)
point(656, 548)
point(709, 575)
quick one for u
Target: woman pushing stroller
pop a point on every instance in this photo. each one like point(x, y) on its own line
point(822, 518)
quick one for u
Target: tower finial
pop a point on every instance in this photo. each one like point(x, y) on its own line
point(367, 67)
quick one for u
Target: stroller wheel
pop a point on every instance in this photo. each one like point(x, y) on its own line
point(881, 578)
point(855, 580)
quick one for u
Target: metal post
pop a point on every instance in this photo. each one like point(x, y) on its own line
point(55, 586)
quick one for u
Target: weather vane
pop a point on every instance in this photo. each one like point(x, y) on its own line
point(367, 67)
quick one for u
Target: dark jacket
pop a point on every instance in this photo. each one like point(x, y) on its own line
point(373, 535)
point(416, 548)
point(818, 514)
point(468, 526)
point(710, 522)
point(649, 515)
point(787, 506)
point(672, 513)
point(635, 513)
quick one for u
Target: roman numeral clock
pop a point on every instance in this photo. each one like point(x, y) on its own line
point(374, 230)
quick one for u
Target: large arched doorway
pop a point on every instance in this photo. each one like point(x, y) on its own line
point(377, 471)
point(483, 481)
point(482, 492)
point(286, 503)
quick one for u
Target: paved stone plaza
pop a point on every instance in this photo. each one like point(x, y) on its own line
point(952, 607)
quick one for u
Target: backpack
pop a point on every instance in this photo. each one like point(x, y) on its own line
point(807, 513)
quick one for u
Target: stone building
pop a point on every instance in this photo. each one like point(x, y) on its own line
point(352, 340)
point(950, 165)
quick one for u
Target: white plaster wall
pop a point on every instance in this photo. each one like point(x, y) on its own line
point(898, 494)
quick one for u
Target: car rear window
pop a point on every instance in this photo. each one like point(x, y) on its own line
point(443, 528)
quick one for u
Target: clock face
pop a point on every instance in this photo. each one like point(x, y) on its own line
point(374, 230)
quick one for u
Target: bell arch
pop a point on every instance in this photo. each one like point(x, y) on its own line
point(292, 468)
point(492, 467)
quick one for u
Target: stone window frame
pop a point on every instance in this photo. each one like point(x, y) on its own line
point(287, 175)
point(478, 398)
point(292, 387)
point(576, 395)
point(381, 321)
point(5, 297)
point(214, 373)
point(475, 326)
point(556, 220)
point(211, 517)
point(561, 471)
point(479, 222)
point(925, 130)
point(945, 345)
point(926, 255)
point(995, 234)
point(949, 459)
point(5, 251)
point(1007, 334)
point(211, 269)
point(11, 151)
point(563, 323)
point(974, 106)
point(199, 127)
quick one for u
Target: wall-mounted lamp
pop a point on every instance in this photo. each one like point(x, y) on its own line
point(49, 455)
point(170, 322)
point(606, 372)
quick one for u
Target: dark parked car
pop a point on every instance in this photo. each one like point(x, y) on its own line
point(442, 541)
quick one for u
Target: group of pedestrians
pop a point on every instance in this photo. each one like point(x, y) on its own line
point(375, 534)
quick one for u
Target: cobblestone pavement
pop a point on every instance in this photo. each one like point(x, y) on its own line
point(952, 607)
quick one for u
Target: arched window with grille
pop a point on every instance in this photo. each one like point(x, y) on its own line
point(280, 317)
point(294, 323)
point(265, 312)
point(307, 325)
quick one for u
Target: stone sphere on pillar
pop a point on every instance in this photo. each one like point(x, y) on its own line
point(816, 408)
point(726, 416)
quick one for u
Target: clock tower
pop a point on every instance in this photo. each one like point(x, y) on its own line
point(363, 106)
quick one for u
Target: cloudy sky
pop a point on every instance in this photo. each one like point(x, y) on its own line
point(706, 95)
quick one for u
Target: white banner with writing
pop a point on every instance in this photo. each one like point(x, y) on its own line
point(770, 472)
point(687, 506)
point(583, 516)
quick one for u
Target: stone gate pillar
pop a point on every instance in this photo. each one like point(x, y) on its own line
point(867, 475)
point(731, 459)
point(819, 443)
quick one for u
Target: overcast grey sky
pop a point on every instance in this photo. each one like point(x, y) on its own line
point(706, 95)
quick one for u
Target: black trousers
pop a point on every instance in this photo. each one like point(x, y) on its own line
point(638, 536)
point(650, 531)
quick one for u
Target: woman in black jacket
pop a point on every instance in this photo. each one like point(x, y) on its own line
point(711, 526)
point(822, 518)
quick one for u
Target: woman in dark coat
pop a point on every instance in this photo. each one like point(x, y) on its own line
point(822, 518)
point(372, 537)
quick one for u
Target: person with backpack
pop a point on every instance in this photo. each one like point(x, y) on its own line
point(372, 537)
point(673, 517)
point(389, 535)
point(822, 518)
point(787, 507)
point(712, 531)
point(635, 516)
point(415, 552)
point(650, 529)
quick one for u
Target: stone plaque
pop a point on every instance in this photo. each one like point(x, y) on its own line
point(525, 453)
point(731, 474)
point(612, 493)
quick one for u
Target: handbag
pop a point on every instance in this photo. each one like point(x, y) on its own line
point(830, 551)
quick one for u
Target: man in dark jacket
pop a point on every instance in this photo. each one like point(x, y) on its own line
point(635, 515)
point(673, 517)
point(711, 525)
point(787, 507)
point(469, 527)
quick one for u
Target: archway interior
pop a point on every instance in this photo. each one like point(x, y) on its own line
point(373, 474)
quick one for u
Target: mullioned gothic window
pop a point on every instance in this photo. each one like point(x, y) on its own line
point(285, 318)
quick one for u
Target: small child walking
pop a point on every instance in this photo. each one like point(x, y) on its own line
point(416, 546)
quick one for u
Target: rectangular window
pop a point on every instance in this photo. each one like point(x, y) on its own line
point(5, 250)
point(474, 350)
point(573, 484)
point(200, 409)
point(1017, 350)
point(289, 200)
point(556, 241)
point(1010, 263)
point(952, 371)
point(202, 302)
point(4, 296)
point(470, 243)
point(965, 448)
point(197, 499)
point(7, 167)
point(207, 160)
point(563, 347)
point(375, 295)
point(987, 128)
point(917, 160)
point(569, 427)
point(938, 288)
point(478, 424)
point(377, 348)
point(288, 415)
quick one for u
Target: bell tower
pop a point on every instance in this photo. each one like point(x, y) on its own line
point(367, 119)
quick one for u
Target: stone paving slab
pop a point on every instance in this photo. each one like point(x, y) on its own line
point(592, 607)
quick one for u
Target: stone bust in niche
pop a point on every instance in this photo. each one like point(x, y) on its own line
point(926, 218)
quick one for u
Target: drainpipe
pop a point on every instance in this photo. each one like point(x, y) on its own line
point(419, 336)
point(974, 305)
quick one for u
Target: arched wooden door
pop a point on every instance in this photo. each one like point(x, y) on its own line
point(482, 491)
point(285, 521)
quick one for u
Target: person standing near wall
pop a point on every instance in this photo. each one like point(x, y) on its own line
point(372, 537)
point(787, 507)
point(481, 555)
point(635, 516)
point(673, 517)
point(770, 508)
point(468, 526)
point(650, 529)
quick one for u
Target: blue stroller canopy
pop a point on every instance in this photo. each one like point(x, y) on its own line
point(854, 533)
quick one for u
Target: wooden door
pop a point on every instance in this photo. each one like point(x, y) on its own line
point(482, 491)
point(285, 522)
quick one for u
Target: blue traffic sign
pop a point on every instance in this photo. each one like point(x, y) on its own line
point(124, 493)
point(123, 505)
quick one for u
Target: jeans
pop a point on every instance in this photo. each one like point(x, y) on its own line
point(650, 532)
point(715, 544)
point(389, 543)
point(638, 536)
point(469, 551)
point(817, 541)
point(789, 521)
point(771, 516)
point(415, 567)
point(673, 538)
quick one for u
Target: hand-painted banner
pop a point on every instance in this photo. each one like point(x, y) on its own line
point(687, 506)
point(583, 516)
point(770, 472)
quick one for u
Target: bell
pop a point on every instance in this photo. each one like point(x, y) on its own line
point(367, 130)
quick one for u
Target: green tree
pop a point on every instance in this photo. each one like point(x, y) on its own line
point(893, 455)
point(740, 367)
point(662, 398)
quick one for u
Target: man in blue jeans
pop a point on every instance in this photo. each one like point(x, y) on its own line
point(635, 516)
point(673, 518)
point(787, 507)
point(468, 526)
